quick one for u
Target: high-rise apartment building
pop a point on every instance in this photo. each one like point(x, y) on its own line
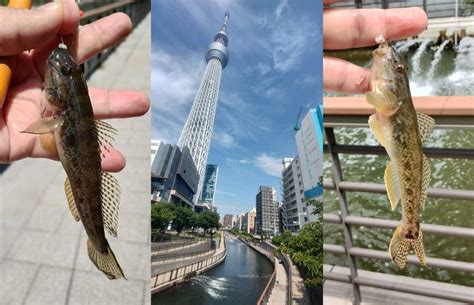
point(294, 212)
point(309, 140)
point(267, 211)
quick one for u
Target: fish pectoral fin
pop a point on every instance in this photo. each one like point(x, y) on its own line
point(105, 134)
point(70, 199)
point(425, 125)
point(44, 125)
point(110, 203)
point(383, 101)
point(393, 185)
point(425, 181)
point(105, 262)
point(377, 129)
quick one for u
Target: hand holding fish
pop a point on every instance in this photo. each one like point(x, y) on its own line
point(355, 28)
point(38, 31)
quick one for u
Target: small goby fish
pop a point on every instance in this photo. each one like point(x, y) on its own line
point(93, 195)
point(401, 130)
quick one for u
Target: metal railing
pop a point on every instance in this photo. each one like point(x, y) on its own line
point(176, 256)
point(136, 10)
point(348, 221)
point(187, 270)
point(434, 9)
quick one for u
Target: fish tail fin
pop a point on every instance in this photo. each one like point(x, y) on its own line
point(400, 245)
point(105, 262)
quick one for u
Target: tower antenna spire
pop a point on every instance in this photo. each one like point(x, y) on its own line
point(226, 18)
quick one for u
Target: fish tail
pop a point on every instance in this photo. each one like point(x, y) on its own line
point(105, 262)
point(400, 245)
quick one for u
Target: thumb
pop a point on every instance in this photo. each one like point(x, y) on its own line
point(30, 29)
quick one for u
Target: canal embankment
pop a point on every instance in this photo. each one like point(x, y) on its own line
point(239, 280)
point(174, 270)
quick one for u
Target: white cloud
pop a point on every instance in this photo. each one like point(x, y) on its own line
point(280, 7)
point(224, 140)
point(241, 161)
point(226, 193)
point(174, 84)
point(269, 164)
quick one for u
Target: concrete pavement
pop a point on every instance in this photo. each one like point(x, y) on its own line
point(43, 250)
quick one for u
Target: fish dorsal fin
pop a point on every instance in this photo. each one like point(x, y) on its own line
point(105, 134)
point(110, 203)
point(425, 125)
point(393, 185)
point(377, 129)
point(70, 199)
point(425, 181)
point(45, 125)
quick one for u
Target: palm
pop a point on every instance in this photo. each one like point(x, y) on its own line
point(24, 102)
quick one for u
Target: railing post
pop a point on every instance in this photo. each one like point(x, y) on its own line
point(341, 195)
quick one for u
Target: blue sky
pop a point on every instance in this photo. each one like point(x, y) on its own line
point(275, 67)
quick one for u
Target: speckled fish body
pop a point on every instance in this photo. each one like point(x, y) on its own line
point(92, 194)
point(401, 130)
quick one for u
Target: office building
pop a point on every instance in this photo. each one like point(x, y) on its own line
point(174, 177)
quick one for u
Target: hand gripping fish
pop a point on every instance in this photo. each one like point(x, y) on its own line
point(93, 195)
point(401, 130)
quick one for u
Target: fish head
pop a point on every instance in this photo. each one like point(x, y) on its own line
point(60, 68)
point(387, 79)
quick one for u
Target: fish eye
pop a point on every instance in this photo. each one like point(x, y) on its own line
point(400, 67)
point(66, 70)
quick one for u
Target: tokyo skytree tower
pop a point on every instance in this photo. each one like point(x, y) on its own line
point(197, 131)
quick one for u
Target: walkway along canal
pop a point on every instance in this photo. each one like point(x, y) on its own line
point(239, 280)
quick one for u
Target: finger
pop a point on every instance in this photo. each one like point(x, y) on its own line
point(118, 103)
point(89, 39)
point(344, 29)
point(29, 29)
point(342, 76)
point(114, 161)
point(45, 147)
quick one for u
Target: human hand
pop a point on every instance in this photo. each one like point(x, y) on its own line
point(37, 30)
point(355, 28)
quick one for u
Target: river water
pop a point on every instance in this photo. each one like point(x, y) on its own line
point(432, 72)
point(239, 280)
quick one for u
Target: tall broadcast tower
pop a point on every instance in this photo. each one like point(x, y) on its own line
point(197, 131)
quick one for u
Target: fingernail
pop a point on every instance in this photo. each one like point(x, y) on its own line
point(49, 7)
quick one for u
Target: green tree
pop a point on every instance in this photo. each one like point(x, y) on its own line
point(208, 220)
point(306, 251)
point(317, 205)
point(161, 215)
point(183, 219)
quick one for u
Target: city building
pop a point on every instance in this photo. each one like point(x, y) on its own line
point(309, 140)
point(250, 227)
point(294, 212)
point(228, 218)
point(174, 177)
point(197, 131)
point(244, 221)
point(155, 144)
point(267, 211)
point(209, 185)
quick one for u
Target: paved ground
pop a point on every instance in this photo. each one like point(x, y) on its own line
point(43, 250)
point(338, 293)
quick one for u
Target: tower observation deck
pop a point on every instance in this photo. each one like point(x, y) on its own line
point(197, 131)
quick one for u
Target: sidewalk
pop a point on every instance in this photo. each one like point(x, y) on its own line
point(43, 250)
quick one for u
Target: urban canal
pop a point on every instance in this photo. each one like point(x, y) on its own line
point(239, 280)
